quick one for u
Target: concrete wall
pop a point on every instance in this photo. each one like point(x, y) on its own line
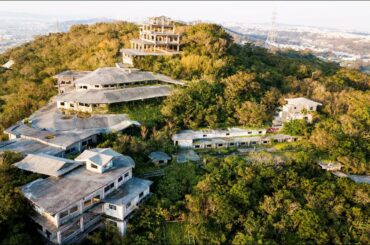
point(121, 211)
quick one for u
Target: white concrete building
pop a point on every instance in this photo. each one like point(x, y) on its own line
point(63, 136)
point(330, 166)
point(74, 203)
point(98, 89)
point(296, 108)
point(232, 137)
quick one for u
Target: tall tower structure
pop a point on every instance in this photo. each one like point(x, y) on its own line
point(157, 37)
point(270, 42)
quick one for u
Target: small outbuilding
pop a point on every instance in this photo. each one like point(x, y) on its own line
point(159, 157)
point(187, 156)
point(330, 166)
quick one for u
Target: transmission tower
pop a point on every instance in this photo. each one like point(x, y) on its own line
point(270, 42)
point(57, 25)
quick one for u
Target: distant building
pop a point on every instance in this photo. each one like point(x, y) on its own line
point(232, 137)
point(159, 157)
point(76, 202)
point(110, 85)
point(157, 37)
point(8, 64)
point(187, 155)
point(296, 108)
point(330, 166)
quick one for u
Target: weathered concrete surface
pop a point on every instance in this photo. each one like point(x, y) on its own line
point(49, 117)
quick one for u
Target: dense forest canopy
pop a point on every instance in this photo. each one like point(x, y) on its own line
point(230, 200)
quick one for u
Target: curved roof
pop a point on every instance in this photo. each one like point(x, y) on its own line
point(114, 75)
point(47, 165)
point(159, 155)
point(108, 96)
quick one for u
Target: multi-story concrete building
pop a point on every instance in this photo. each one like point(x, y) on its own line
point(80, 194)
point(157, 37)
point(296, 108)
point(112, 85)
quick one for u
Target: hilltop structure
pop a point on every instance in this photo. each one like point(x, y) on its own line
point(95, 90)
point(296, 108)
point(232, 137)
point(66, 80)
point(157, 37)
point(76, 198)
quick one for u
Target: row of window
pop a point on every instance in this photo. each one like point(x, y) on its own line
point(93, 200)
point(128, 205)
point(121, 85)
point(68, 212)
point(243, 143)
point(65, 82)
point(228, 134)
point(123, 177)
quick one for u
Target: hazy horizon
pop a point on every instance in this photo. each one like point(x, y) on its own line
point(339, 15)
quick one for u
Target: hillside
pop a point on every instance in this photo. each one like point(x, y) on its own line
point(29, 84)
point(228, 200)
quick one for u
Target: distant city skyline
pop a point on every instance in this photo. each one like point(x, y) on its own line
point(340, 15)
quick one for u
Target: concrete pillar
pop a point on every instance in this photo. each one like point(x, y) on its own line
point(59, 237)
point(57, 220)
point(82, 227)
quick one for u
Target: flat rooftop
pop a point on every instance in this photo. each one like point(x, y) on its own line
point(70, 73)
point(56, 139)
point(128, 191)
point(46, 164)
point(50, 118)
point(302, 101)
point(109, 96)
point(54, 194)
point(26, 146)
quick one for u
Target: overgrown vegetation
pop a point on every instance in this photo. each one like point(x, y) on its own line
point(15, 226)
point(232, 200)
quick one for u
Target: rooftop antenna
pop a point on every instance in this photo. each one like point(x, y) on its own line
point(270, 42)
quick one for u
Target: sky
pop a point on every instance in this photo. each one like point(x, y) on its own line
point(342, 14)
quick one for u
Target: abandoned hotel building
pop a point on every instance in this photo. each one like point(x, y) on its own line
point(80, 195)
point(231, 137)
point(96, 90)
point(157, 37)
point(296, 108)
